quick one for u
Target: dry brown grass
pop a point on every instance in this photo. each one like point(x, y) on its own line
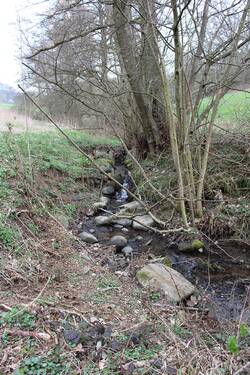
point(20, 122)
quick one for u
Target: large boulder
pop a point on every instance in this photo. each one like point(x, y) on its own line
point(142, 222)
point(119, 241)
point(103, 220)
point(88, 237)
point(157, 276)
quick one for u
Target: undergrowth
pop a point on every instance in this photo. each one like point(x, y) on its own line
point(41, 272)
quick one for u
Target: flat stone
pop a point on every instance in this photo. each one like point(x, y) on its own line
point(118, 226)
point(127, 251)
point(92, 230)
point(124, 222)
point(108, 190)
point(88, 237)
point(102, 220)
point(157, 276)
point(119, 241)
point(131, 206)
point(141, 221)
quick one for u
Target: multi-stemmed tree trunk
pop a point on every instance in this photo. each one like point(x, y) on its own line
point(150, 70)
point(146, 98)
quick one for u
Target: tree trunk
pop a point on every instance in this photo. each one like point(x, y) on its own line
point(150, 71)
point(126, 51)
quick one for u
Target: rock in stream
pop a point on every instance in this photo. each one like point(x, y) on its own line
point(119, 241)
point(142, 222)
point(157, 276)
point(103, 220)
point(88, 237)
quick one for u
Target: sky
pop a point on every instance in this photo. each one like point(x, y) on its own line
point(11, 11)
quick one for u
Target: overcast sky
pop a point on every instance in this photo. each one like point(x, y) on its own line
point(11, 10)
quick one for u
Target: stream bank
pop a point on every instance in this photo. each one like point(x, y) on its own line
point(220, 271)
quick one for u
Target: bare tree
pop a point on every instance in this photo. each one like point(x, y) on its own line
point(147, 66)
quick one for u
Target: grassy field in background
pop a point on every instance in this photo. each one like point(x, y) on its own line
point(234, 106)
point(7, 105)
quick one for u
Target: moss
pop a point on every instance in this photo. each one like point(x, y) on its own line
point(197, 244)
point(143, 276)
point(167, 262)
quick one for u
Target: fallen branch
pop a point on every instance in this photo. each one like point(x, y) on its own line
point(36, 335)
point(5, 307)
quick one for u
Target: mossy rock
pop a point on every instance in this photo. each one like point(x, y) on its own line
point(167, 262)
point(143, 276)
point(187, 246)
point(197, 244)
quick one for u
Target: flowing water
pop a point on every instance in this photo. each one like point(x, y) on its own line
point(221, 274)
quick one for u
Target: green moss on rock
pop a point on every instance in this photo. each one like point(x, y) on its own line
point(197, 244)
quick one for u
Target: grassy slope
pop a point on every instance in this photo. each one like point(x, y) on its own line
point(45, 166)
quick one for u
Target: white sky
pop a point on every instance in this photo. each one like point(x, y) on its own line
point(11, 10)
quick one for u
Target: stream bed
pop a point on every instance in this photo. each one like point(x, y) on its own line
point(221, 272)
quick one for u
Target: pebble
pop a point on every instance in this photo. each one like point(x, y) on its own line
point(127, 251)
point(125, 230)
point(139, 238)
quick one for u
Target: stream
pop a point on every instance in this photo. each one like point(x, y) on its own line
point(221, 273)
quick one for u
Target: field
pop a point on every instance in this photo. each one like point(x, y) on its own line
point(6, 106)
point(234, 108)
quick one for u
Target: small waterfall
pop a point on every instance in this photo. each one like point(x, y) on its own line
point(122, 195)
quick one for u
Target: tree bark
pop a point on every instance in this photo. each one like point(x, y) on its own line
point(126, 51)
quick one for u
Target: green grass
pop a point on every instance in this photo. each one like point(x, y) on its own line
point(6, 105)
point(235, 106)
point(44, 151)
point(42, 155)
